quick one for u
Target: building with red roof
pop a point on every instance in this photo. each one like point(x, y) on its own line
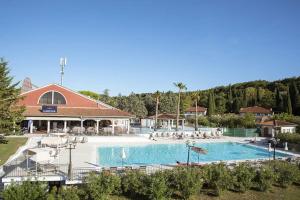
point(269, 127)
point(55, 108)
point(191, 112)
point(257, 111)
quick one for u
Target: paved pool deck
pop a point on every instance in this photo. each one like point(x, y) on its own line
point(85, 154)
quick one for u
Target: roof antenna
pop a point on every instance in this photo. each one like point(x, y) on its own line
point(63, 63)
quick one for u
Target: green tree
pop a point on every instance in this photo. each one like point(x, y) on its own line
point(295, 98)
point(230, 100)
point(279, 100)
point(289, 109)
point(136, 106)
point(258, 95)
point(156, 95)
point(181, 87)
point(211, 107)
point(10, 114)
point(245, 99)
point(90, 94)
point(236, 105)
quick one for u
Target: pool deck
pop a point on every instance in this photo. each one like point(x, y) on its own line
point(85, 154)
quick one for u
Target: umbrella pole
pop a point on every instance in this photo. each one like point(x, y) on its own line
point(36, 167)
point(27, 161)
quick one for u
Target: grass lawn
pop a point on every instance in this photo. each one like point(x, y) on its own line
point(13, 143)
point(276, 193)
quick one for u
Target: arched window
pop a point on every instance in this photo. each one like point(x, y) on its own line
point(52, 98)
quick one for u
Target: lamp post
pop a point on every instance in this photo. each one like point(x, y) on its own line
point(189, 144)
point(70, 147)
point(275, 141)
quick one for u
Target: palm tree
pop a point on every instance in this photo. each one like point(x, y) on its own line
point(195, 97)
point(156, 95)
point(181, 87)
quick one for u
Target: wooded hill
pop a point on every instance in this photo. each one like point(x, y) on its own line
point(281, 95)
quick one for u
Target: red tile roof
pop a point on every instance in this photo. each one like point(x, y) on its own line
point(199, 109)
point(277, 123)
point(35, 111)
point(256, 109)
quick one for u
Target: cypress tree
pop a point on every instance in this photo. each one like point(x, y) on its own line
point(245, 100)
point(230, 100)
point(213, 102)
point(279, 101)
point(258, 95)
point(295, 98)
point(210, 110)
point(236, 105)
point(10, 115)
point(289, 108)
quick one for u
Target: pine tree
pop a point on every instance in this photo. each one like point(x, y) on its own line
point(289, 108)
point(210, 110)
point(10, 114)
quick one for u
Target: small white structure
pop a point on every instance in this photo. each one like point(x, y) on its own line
point(165, 121)
point(268, 127)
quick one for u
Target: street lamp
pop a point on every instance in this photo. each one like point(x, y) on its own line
point(189, 145)
point(275, 141)
point(70, 147)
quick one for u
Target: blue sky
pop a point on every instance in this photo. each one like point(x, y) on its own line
point(146, 45)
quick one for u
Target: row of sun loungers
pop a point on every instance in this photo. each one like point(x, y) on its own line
point(182, 135)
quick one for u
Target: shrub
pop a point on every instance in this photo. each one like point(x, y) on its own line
point(285, 173)
point(69, 193)
point(217, 177)
point(99, 186)
point(243, 175)
point(187, 181)
point(133, 184)
point(158, 189)
point(264, 178)
point(289, 137)
point(25, 190)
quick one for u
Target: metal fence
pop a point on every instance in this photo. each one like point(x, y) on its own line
point(240, 132)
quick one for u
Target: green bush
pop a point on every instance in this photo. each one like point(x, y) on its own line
point(289, 137)
point(157, 188)
point(285, 173)
point(187, 181)
point(25, 190)
point(217, 177)
point(100, 186)
point(243, 175)
point(133, 184)
point(264, 178)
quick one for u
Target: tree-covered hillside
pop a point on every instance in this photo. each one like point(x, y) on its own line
point(281, 95)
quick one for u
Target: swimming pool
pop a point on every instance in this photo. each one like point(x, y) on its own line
point(170, 153)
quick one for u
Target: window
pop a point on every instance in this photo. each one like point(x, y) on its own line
point(58, 98)
point(52, 98)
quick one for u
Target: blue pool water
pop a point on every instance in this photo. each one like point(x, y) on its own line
point(170, 153)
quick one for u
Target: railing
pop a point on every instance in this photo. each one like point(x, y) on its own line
point(240, 132)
